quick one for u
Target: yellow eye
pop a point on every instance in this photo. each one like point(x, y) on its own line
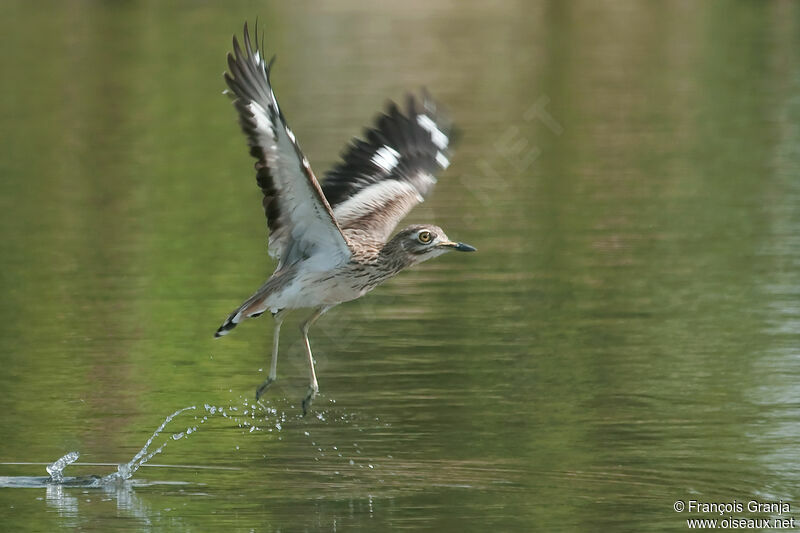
point(424, 237)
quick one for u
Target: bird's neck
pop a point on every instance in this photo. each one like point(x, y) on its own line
point(381, 260)
point(392, 259)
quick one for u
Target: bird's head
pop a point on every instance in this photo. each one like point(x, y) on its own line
point(422, 242)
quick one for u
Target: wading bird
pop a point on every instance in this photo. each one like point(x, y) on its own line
point(332, 241)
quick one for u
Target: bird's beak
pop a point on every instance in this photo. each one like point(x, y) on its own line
point(460, 246)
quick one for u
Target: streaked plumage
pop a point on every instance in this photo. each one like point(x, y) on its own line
point(332, 242)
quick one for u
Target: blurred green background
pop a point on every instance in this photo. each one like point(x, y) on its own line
point(627, 335)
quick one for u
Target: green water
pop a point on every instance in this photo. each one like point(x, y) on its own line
point(627, 336)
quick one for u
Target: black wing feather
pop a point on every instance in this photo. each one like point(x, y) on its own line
point(418, 149)
point(292, 197)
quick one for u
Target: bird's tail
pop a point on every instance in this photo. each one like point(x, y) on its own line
point(253, 307)
point(259, 302)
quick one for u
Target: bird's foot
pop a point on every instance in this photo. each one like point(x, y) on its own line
point(263, 387)
point(310, 395)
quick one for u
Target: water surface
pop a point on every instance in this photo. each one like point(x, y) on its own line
point(627, 335)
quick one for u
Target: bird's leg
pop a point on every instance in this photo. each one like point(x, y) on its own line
point(273, 367)
point(313, 387)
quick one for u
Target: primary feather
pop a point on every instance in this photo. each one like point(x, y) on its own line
point(300, 220)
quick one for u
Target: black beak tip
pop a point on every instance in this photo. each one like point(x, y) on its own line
point(462, 247)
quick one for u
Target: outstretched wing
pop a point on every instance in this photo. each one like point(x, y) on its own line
point(300, 220)
point(384, 175)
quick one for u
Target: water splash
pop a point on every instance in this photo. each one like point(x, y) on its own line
point(126, 471)
point(56, 469)
point(248, 417)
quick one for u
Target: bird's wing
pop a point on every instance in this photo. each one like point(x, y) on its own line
point(300, 220)
point(384, 175)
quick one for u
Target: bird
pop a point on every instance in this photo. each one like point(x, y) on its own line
point(333, 241)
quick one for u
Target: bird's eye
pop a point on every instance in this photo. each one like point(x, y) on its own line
point(424, 237)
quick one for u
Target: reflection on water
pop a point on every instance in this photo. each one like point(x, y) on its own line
point(626, 337)
point(66, 505)
point(120, 495)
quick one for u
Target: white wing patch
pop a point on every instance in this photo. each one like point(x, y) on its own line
point(386, 157)
point(438, 137)
point(274, 100)
point(426, 180)
point(442, 160)
point(262, 119)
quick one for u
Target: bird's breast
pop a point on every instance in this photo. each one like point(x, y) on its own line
point(312, 289)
